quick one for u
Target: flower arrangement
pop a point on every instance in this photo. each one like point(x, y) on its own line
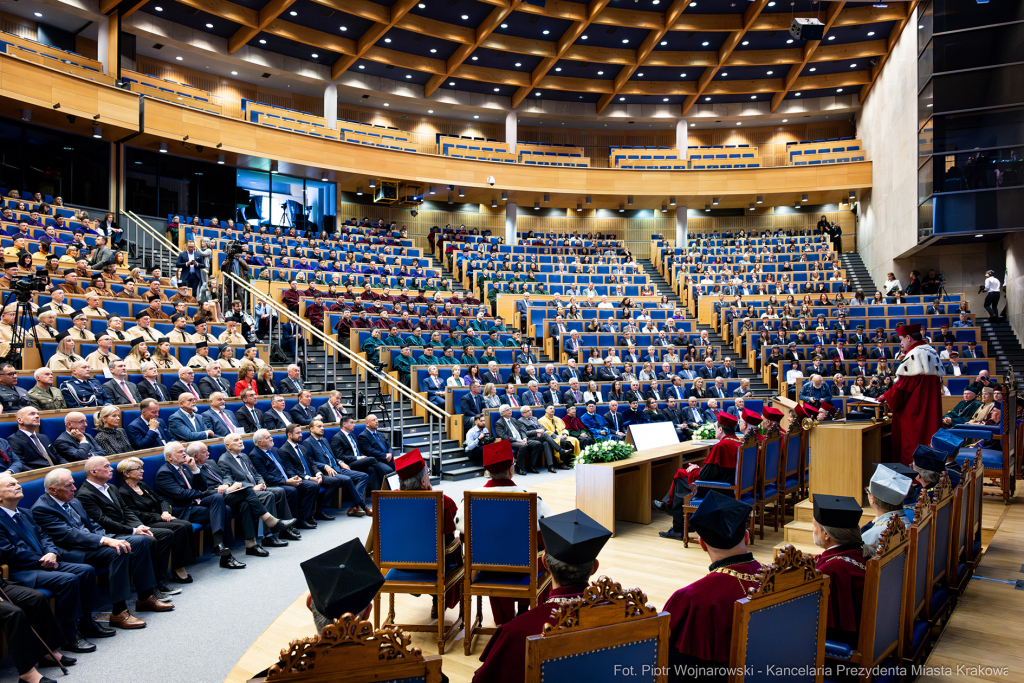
point(605, 451)
point(706, 432)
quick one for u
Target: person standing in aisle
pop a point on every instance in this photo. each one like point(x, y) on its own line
point(992, 287)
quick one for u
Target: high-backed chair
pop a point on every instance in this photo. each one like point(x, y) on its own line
point(922, 546)
point(974, 527)
point(939, 596)
point(742, 488)
point(793, 596)
point(769, 480)
point(958, 573)
point(1000, 462)
point(881, 618)
point(597, 637)
point(352, 651)
point(410, 549)
point(502, 557)
point(790, 463)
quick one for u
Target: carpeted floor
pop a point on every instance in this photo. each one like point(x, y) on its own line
point(218, 616)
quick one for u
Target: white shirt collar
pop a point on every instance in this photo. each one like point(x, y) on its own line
point(9, 511)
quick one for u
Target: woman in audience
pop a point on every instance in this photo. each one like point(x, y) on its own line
point(249, 356)
point(593, 327)
point(883, 369)
point(628, 375)
point(65, 354)
point(472, 375)
point(46, 330)
point(670, 355)
point(859, 386)
point(265, 385)
point(490, 396)
point(647, 374)
point(697, 389)
point(70, 258)
point(838, 387)
point(156, 512)
point(25, 266)
point(515, 375)
point(652, 413)
point(588, 374)
point(172, 230)
point(209, 310)
point(891, 285)
point(616, 393)
point(246, 378)
point(162, 355)
point(139, 355)
point(226, 357)
point(109, 433)
point(593, 393)
point(837, 367)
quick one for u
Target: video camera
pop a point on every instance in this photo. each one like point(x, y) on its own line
point(234, 248)
point(24, 286)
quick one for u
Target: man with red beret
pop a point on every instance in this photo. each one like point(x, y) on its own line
point(916, 397)
point(752, 421)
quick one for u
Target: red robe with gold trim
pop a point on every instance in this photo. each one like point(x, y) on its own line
point(845, 565)
point(915, 400)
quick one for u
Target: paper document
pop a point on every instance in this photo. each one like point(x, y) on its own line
point(865, 399)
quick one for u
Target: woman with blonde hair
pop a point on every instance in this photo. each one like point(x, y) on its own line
point(70, 257)
point(138, 355)
point(265, 385)
point(162, 356)
point(491, 398)
point(109, 432)
point(65, 355)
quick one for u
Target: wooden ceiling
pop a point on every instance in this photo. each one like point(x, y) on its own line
point(499, 34)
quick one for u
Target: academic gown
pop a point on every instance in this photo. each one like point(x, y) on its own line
point(504, 658)
point(700, 627)
point(916, 400)
point(720, 465)
point(845, 565)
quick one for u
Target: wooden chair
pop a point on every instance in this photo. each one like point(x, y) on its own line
point(805, 461)
point(919, 560)
point(743, 487)
point(410, 551)
point(599, 636)
point(881, 621)
point(790, 462)
point(957, 571)
point(502, 558)
point(792, 598)
point(769, 481)
point(351, 651)
point(974, 550)
point(939, 600)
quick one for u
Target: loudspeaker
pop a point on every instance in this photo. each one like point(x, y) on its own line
point(807, 29)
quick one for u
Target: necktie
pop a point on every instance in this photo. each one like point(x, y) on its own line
point(225, 420)
point(255, 420)
point(124, 387)
point(26, 533)
point(39, 445)
point(284, 475)
point(193, 390)
point(302, 460)
point(352, 443)
point(245, 466)
point(515, 432)
point(213, 474)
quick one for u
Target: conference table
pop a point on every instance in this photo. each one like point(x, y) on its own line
point(623, 490)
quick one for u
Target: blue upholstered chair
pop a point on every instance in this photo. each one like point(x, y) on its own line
point(501, 555)
point(939, 601)
point(791, 458)
point(793, 598)
point(922, 543)
point(599, 636)
point(769, 480)
point(958, 571)
point(881, 622)
point(409, 547)
point(743, 487)
point(1000, 461)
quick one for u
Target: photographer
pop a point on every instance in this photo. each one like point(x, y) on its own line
point(931, 282)
point(991, 289)
point(477, 437)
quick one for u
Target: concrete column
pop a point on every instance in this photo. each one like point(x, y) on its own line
point(681, 232)
point(102, 43)
point(682, 134)
point(510, 223)
point(511, 129)
point(331, 105)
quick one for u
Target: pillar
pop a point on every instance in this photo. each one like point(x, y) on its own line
point(682, 134)
point(511, 128)
point(510, 223)
point(107, 51)
point(681, 232)
point(331, 105)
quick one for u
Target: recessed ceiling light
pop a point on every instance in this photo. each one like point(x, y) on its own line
point(537, 94)
point(831, 37)
point(664, 42)
point(465, 17)
point(625, 40)
point(234, 73)
point(979, 235)
point(262, 42)
point(504, 25)
point(209, 26)
point(693, 125)
point(451, 82)
point(362, 66)
point(519, 63)
point(600, 73)
point(387, 40)
point(655, 2)
point(343, 28)
point(475, 58)
point(422, 6)
point(693, 4)
point(294, 13)
point(724, 74)
point(785, 120)
point(583, 37)
point(770, 73)
point(622, 99)
point(771, 4)
point(314, 55)
point(433, 50)
point(545, 31)
point(682, 75)
point(558, 68)
point(640, 75)
point(179, 58)
point(476, 116)
point(852, 66)
point(814, 68)
point(753, 97)
point(871, 33)
point(38, 14)
point(408, 75)
point(497, 89)
point(430, 111)
point(746, 42)
point(707, 99)
point(789, 42)
point(159, 9)
point(705, 43)
point(839, 90)
point(739, 123)
point(665, 100)
point(797, 94)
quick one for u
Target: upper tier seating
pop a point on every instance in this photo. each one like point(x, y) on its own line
point(55, 58)
point(833, 150)
point(171, 91)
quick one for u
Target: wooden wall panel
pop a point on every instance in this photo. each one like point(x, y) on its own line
point(19, 26)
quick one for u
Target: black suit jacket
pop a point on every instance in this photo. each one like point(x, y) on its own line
point(292, 460)
point(302, 415)
point(289, 386)
point(261, 460)
point(71, 450)
point(326, 414)
point(115, 394)
point(342, 448)
point(179, 388)
point(29, 455)
point(271, 421)
point(208, 385)
point(112, 514)
point(158, 392)
point(245, 420)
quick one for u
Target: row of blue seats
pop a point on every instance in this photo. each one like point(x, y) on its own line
point(370, 143)
point(713, 290)
point(538, 314)
point(752, 279)
point(445, 373)
point(873, 311)
point(72, 58)
point(648, 157)
point(736, 146)
point(708, 166)
point(840, 160)
point(602, 409)
point(807, 142)
point(725, 155)
point(962, 334)
point(563, 164)
point(171, 85)
point(602, 290)
point(969, 368)
point(122, 349)
point(665, 167)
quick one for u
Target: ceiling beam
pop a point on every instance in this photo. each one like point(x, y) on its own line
point(643, 52)
point(310, 36)
point(562, 46)
point(488, 25)
point(271, 11)
point(226, 10)
point(364, 9)
point(372, 35)
point(750, 15)
point(810, 48)
point(894, 36)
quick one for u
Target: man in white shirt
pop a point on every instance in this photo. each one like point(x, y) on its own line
point(277, 417)
point(604, 302)
point(792, 374)
point(992, 288)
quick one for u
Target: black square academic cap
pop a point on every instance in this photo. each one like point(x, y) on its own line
point(838, 512)
point(901, 468)
point(573, 537)
point(343, 579)
point(720, 521)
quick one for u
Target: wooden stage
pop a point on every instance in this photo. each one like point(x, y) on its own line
point(985, 629)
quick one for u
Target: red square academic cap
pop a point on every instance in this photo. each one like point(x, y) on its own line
point(773, 414)
point(410, 464)
point(906, 330)
point(828, 407)
point(801, 411)
point(498, 456)
point(750, 417)
point(726, 420)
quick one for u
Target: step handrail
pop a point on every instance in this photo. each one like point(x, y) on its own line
point(146, 236)
point(329, 341)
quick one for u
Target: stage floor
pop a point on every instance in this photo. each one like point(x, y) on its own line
point(637, 557)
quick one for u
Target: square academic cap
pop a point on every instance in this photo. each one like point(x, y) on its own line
point(720, 520)
point(343, 579)
point(573, 537)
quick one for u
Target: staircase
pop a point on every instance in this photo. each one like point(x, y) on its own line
point(858, 275)
point(661, 285)
point(1002, 345)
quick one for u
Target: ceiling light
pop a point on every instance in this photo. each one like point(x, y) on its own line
point(751, 207)
point(465, 17)
point(693, 125)
point(785, 120)
point(839, 90)
point(422, 6)
point(209, 26)
point(600, 73)
point(545, 31)
point(705, 43)
point(789, 42)
point(433, 50)
point(408, 75)
point(664, 42)
point(693, 4)
point(979, 235)
point(163, 148)
point(707, 99)
point(625, 40)
point(234, 73)
point(179, 58)
point(536, 205)
point(629, 200)
point(494, 203)
point(497, 89)
point(430, 111)
point(852, 195)
point(38, 14)
point(655, 2)
point(871, 33)
point(664, 209)
point(262, 42)
point(294, 13)
point(587, 199)
point(504, 196)
point(519, 63)
point(537, 94)
point(622, 99)
point(814, 68)
point(579, 206)
point(433, 190)
point(831, 37)
point(504, 25)
point(753, 97)
point(451, 82)
point(387, 104)
point(725, 74)
point(621, 208)
point(682, 75)
point(387, 40)
point(462, 192)
point(359, 191)
point(362, 66)
point(476, 116)
point(314, 55)
point(852, 66)
point(796, 205)
point(97, 132)
point(475, 58)
point(797, 95)
point(220, 159)
point(746, 42)
point(803, 198)
point(583, 37)
point(665, 100)
point(771, 4)
point(558, 68)
point(640, 75)
point(714, 201)
point(739, 123)
point(770, 73)
point(159, 9)
point(707, 207)
point(344, 28)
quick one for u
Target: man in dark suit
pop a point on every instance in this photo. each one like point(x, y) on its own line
point(557, 328)
point(711, 412)
point(270, 465)
point(526, 450)
point(248, 416)
point(293, 457)
point(973, 351)
point(33, 449)
point(881, 351)
point(523, 309)
point(677, 390)
point(69, 527)
point(241, 470)
point(301, 412)
point(532, 396)
point(103, 504)
point(148, 430)
point(321, 460)
point(792, 353)
point(35, 562)
point(150, 386)
point(214, 381)
point(177, 482)
point(346, 450)
point(185, 384)
point(570, 371)
point(472, 404)
point(572, 345)
point(220, 420)
point(691, 416)
point(727, 370)
point(839, 351)
point(119, 390)
point(190, 266)
point(707, 371)
point(635, 393)
point(373, 444)
point(74, 443)
point(277, 417)
point(717, 389)
point(292, 384)
point(573, 395)
point(492, 374)
point(613, 418)
point(607, 372)
point(332, 411)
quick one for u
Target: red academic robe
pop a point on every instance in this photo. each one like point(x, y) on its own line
point(701, 613)
point(845, 565)
point(916, 401)
point(504, 658)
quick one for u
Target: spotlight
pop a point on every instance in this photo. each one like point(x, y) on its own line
point(760, 199)
point(796, 205)
point(664, 209)
point(803, 198)
point(536, 205)
point(199, 148)
point(57, 106)
point(373, 183)
point(359, 193)
point(273, 166)
point(714, 201)
point(163, 147)
point(671, 201)
point(504, 196)
point(97, 132)
point(462, 192)
point(450, 200)
point(751, 207)
point(323, 176)
point(547, 198)
point(588, 200)
point(621, 208)
point(707, 207)
point(579, 206)
point(26, 114)
point(494, 203)
point(852, 195)
point(433, 190)
point(629, 200)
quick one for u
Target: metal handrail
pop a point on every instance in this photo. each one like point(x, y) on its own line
point(145, 236)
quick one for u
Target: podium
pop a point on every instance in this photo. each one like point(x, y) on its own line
point(843, 456)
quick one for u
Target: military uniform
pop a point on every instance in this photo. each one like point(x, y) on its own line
point(47, 399)
point(13, 398)
point(80, 393)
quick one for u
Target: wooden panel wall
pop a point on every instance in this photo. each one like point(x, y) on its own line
point(19, 26)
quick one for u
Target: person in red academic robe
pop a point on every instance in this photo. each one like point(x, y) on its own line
point(412, 467)
point(700, 628)
point(573, 541)
point(344, 326)
point(753, 421)
point(916, 397)
point(836, 528)
point(315, 312)
point(290, 297)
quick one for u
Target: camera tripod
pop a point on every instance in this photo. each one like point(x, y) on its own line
point(22, 315)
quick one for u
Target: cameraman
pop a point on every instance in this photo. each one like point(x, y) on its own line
point(11, 335)
point(991, 289)
point(477, 438)
point(931, 282)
